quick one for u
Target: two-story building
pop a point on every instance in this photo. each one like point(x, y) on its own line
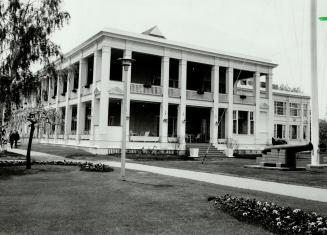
point(177, 94)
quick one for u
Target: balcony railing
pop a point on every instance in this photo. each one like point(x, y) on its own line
point(223, 98)
point(193, 95)
point(141, 89)
point(87, 90)
point(73, 94)
point(62, 97)
point(244, 99)
point(174, 92)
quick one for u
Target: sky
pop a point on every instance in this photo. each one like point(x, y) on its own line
point(278, 30)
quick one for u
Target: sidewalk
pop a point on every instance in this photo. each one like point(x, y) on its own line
point(303, 192)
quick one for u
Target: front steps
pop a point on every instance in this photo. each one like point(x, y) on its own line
point(212, 153)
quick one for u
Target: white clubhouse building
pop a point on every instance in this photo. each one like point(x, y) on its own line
point(177, 94)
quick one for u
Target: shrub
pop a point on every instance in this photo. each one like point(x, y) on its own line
point(277, 219)
point(84, 166)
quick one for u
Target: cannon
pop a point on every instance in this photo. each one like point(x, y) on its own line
point(283, 155)
point(278, 141)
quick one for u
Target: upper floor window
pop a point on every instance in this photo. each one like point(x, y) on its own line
point(294, 132)
point(280, 108)
point(305, 110)
point(295, 109)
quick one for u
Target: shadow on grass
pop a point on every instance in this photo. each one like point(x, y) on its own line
point(10, 171)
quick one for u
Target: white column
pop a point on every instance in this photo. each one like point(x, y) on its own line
point(128, 54)
point(181, 119)
point(80, 106)
point(229, 113)
point(104, 96)
point(271, 114)
point(257, 106)
point(163, 126)
point(68, 110)
point(94, 87)
point(214, 120)
point(57, 106)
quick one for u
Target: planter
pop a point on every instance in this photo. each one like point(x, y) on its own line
point(229, 152)
point(194, 152)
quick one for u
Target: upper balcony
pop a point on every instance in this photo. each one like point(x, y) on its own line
point(146, 89)
point(199, 95)
point(244, 99)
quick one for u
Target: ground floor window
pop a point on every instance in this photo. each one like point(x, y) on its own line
point(74, 119)
point(114, 112)
point(243, 122)
point(88, 117)
point(279, 131)
point(62, 121)
point(305, 132)
point(294, 132)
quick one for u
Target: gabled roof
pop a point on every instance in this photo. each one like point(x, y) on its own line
point(154, 31)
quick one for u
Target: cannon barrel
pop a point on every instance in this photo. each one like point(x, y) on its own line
point(290, 148)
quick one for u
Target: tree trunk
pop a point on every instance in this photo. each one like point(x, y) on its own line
point(28, 154)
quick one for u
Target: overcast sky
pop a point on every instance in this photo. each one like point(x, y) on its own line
point(273, 29)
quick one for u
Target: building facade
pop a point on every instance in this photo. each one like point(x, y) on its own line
point(177, 94)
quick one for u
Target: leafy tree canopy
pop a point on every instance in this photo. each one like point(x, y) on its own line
point(285, 87)
point(25, 30)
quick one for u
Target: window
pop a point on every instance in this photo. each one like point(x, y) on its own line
point(76, 76)
point(242, 120)
point(295, 109)
point(293, 132)
point(251, 124)
point(279, 131)
point(234, 122)
point(114, 112)
point(304, 132)
point(280, 108)
point(74, 119)
point(305, 110)
point(115, 64)
point(88, 117)
point(62, 121)
point(90, 62)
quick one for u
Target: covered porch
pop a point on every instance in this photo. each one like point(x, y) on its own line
point(197, 124)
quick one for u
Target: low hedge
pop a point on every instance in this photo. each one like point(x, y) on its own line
point(84, 166)
point(277, 219)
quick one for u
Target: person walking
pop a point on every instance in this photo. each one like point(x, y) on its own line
point(16, 138)
point(11, 139)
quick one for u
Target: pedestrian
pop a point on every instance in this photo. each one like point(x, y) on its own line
point(11, 138)
point(16, 138)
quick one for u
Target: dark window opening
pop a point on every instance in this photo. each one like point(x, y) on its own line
point(115, 64)
point(76, 76)
point(74, 119)
point(146, 69)
point(90, 64)
point(172, 120)
point(114, 112)
point(173, 72)
point(198, 77)
point(222, 80)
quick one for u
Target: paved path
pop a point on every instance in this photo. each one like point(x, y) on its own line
point(304, 192)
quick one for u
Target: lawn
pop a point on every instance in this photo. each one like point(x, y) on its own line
point(229, 166)
point(57, 199)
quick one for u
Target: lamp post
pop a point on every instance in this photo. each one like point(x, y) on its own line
point(126, 64)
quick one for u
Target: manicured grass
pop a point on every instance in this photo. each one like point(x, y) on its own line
point(231, 166)
point(5, 155)
point(62, 199)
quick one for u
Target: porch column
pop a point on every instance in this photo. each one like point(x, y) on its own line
point(271, 114)
point(67, 112)
point(214, 110)
point(127, 54)
point(104, 95)
point(93, 111)
point(80, 108)
point(257, 106)
point(163, 125)
point(229, 114)
point(181, 119)
point(57, 106)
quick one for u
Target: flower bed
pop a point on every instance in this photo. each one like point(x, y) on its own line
point(84, 166)
point(277, 219)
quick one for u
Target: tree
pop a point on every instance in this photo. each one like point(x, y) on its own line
point(285, 87)
point(37, 116)
point(25, 31)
